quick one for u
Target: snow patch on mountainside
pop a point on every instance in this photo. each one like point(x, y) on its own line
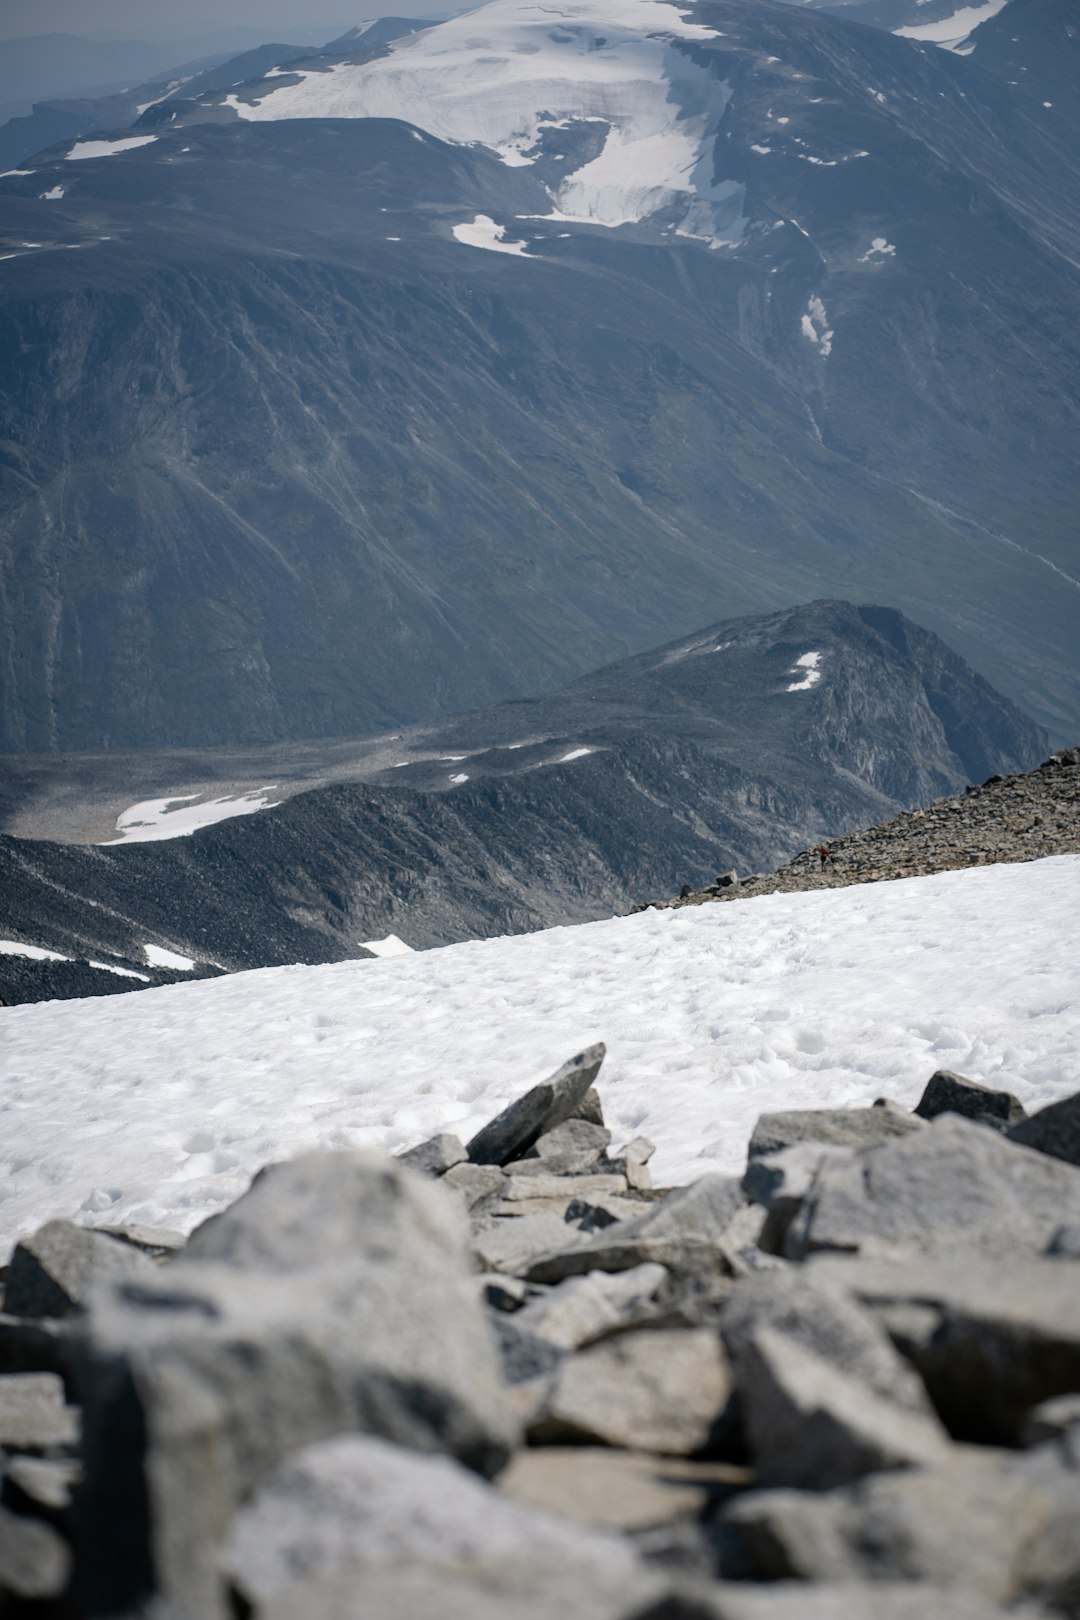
point(808, 671)
point(815, 325)
point(171, 1099)
point(108, 148)
point(954, 33)
point(484, 233)
point(153, 819)
point(512, 72)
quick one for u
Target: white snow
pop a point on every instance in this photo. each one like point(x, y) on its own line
point(36, 953)
point(879, 248)
point(96, 149)
point(459, 778)
point(815, 323)
point(169, 1100)
point(53, 195)
point(808, 664)
point(390, 946)
point(502, 74)
point(953, 32)
point(158, 956)
point(122, 972)
point(178, 817)
point(575, 753)
point(484, 233)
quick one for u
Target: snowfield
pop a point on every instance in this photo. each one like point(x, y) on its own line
point(159, 1106)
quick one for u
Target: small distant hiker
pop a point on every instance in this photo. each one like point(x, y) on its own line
point(823, 855)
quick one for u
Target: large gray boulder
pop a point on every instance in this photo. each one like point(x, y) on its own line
point(1054, 1130)
point(571, 1148)
point(53, 1272)
point(358, 1527)
point(839, 1127)
point(513, 1132)
point(952, 1187)
point(33, 1413)
point(996, 1523)
point(949, 1093)
point(991, 1339)
point(661, 1390)
point(335, 1296)
point(581, 1309)
point(684, 1230)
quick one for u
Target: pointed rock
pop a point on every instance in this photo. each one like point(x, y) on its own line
point(949, 1093)
point(513, 1132)
point(1054, 1130)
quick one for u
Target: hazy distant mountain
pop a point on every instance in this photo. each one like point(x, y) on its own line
point(736, 747)
point(439, 370)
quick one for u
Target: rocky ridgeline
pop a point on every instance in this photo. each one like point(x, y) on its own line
point(514, 1381)
point(1009, 818)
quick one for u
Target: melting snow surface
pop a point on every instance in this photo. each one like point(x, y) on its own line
point(177, 817)
point(815, 324)
point(172, 1098)
point(953, 32)
point(575, 753)
point(158, 956)
point(503, 74)
point(15, 947)
point(390, 946)
point(96, 149)
point(484, 233)
point(808, 663)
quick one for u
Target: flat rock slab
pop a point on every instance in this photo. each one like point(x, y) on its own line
point(559, 1186)
point(357, 1514)
point(839, 1600)
point(841, 1127)
point(336, 1296)
point(513, 1243)
point(683, 1229)
point(1054, 1130)
point(618, 1490)
point(661, 1390)
point(33, 1416)
point(435, 1156)
point(580, 1309)
point(571, 1148)
point(513, 1132)
point(949, 1093)
point(52, 1273)
point(991, 1339)
point(952, 1187)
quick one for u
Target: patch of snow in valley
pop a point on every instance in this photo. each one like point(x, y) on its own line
point(809, 665)
point(575, 753)
point(503, 74)
point(880, 249)
point(815, 324)
point(107, 148)
point(953, 32)
point(158, 956)
point(178, 817)
point(54, 195)
point(390, 946)
point(484, 233)
point(459, 778)
point(121, 972)
point(174, 1097)
point(34, 953)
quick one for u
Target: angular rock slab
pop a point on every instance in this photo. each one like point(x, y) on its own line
point(840, 1600)
point(584, 1308)
point(662, 1390)
point(33, 1416)
point(618, 1490)
point(998, 1524)
point(991, 1339)
point(51, 1274)
point(334, 1297)
point(435, 1156)
point(949, 1093)
point(397, 1530)
point(1054, 1130)
point(953, 1187)
point(686, 1229)
point(839, 1127)
point(513, 1132)
point(812, 1426)
point(571, 1148)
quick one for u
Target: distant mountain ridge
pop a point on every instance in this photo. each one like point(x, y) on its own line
point(734, 747)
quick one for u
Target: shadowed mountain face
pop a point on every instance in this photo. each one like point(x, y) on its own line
point(736, 747)
point(285, 456)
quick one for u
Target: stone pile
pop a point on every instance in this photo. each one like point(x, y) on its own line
point(512, 1380)
point(1008, 818)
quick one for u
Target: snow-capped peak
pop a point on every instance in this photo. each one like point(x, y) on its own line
point(509, 74)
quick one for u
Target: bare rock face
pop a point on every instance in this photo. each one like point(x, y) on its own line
point(949, 1093)
point(839, 1127)
point(1054, 1130)
point(52, 1273)
point(538, 1112)
point(334, 1297)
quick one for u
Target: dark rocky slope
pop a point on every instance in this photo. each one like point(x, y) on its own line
point(716, 751)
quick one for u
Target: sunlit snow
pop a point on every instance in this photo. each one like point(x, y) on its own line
point(483, 232)
point(390, 946)
point(815, 324)
point(178, 817)
point(169, 1100)
point(879, 248)
point(953, 32)
point(35, 953)
point(158, 956)
point(96, 149)
point(808, 664)
point(121, 972)
point(52, 195)
point(575, 753)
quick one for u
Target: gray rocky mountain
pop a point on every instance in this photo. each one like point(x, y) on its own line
point(288, 457)
point(733, 747)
